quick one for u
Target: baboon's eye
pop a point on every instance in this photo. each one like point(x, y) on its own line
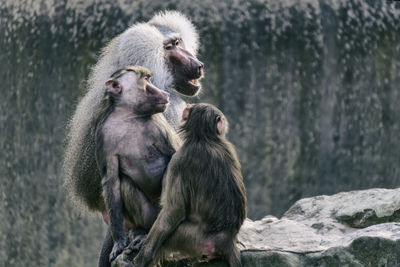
point(177, 41)
point(168, 46)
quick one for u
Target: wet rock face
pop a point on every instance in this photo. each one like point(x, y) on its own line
point(310, 88)
point(357, 228)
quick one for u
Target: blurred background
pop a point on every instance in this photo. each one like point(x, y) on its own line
point(311, 90)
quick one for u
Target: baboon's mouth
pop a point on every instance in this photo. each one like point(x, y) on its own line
point(189, 84)
point(188, 88)
point(194, 82)
point(161, 106)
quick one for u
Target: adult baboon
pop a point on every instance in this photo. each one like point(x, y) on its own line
point(134, 144)
point(203, 200)
point(166, 45)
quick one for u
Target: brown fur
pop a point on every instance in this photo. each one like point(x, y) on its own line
point(203, 200)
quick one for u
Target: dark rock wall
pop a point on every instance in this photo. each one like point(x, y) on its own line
point(311, 90)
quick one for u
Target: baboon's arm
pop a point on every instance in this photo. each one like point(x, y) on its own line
point(112, 196)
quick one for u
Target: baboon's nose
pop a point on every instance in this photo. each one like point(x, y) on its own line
point(199, 67)
point(166, 95)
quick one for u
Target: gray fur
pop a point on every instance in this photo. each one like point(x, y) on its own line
point(141, 44)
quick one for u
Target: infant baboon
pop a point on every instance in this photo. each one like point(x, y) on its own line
point(134, 144)
point(203, 199)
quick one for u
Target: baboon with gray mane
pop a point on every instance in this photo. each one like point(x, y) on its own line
point(167, 46)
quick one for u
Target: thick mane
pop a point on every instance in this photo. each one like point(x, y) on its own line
point(145, 40)
point(181, 24)
point(141, 44)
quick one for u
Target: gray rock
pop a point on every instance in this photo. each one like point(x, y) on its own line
point(357, 228)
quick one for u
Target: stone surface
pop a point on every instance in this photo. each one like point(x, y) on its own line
point(357, 228)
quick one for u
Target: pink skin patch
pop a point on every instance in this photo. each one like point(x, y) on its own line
point(127, 226)
point(106, 218)
point(208, 250)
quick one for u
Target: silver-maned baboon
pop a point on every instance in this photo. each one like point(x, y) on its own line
point(134, 144)
point(203, 199)
point(167, 46)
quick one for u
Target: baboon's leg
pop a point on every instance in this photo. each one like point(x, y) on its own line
point(187, 238)
point(138, 208)
point(108, 244)
point(140, 211)
point(232, 255)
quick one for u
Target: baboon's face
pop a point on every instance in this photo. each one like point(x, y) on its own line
point(138, 94)
point(186, 69)
point(147, 98)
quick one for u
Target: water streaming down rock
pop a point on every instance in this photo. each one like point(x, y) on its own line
point(311, 90)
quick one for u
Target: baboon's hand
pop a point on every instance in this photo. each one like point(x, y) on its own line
point(135, 244)
point(117, 249)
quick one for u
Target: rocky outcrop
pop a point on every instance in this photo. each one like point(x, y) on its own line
point(358, 228)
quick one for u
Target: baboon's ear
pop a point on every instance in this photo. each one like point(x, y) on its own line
point(113, 86)
point(185, 113)
point(220, 124)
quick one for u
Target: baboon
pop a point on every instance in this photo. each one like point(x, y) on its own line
point(203, 199)
point(134, 144)
point(167, 46)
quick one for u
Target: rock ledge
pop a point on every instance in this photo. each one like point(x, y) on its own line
point(357, 228)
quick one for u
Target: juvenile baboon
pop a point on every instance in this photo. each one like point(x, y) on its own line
point(134, 144)
point(203, 199)
point(166, 45)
